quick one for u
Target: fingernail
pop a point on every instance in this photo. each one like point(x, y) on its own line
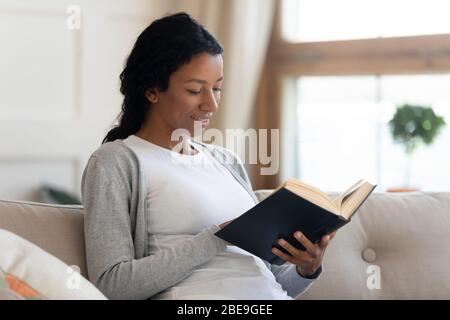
point(298, 234)
point(281, 241)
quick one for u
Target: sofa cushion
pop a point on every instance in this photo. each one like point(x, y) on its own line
point(12, 288)
point(403, 236)
point(395, 247)
point(58, 229)
point(34, 273)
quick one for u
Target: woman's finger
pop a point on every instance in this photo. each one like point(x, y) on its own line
point(325, 241)
point(309, 246)
point(290, 248)
point(283, 255)
point(332, 234)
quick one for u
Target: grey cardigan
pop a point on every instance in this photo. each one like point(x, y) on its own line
point(113, 196)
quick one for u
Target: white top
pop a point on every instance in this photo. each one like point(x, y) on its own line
point(188, 193)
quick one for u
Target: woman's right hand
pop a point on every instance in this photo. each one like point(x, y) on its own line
point(223, 225)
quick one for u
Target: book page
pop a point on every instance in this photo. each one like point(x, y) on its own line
point(339, 201)
point(354, 200)
point(311, 194)
point(343, 205)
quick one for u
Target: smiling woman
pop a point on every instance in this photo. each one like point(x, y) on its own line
point(172, 77)
point(184, 101)
point(150, 222)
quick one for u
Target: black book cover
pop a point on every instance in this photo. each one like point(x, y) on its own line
point(279, 216)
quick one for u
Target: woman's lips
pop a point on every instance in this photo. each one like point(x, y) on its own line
point(204, 121)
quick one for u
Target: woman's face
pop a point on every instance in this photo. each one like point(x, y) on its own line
point(193, 94)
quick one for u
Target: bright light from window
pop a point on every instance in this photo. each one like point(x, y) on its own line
point(344, 136)
point(326, 20)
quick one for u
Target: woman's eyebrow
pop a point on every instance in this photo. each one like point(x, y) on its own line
point(202, 81)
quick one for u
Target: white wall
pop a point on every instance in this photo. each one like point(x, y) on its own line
point(59, 88)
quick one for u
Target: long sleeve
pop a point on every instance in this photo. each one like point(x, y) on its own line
point(287, 275)
point(110, 254)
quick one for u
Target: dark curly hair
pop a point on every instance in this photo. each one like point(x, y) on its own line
point(161, 49)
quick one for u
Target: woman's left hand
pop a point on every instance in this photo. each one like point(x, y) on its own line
point(307, 261)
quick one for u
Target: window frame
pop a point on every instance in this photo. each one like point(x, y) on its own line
point(425, 54)
point(390, 55)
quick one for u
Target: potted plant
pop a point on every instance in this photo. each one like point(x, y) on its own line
point(413, 126)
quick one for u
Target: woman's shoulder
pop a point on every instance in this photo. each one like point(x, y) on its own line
point(114, 153)
point(112, 163)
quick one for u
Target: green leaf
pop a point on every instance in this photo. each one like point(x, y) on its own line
point(414, 125)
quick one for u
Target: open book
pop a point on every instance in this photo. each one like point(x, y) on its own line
point(293, 206)
point(344, 205)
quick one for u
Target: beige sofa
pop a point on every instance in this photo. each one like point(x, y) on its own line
point(396, 247)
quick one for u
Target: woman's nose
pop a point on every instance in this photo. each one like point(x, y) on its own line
point(210, 103)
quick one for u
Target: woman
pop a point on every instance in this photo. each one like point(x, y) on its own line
point(150, 220)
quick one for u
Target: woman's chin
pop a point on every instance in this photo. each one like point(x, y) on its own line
point(195, 132)
point(198, 127)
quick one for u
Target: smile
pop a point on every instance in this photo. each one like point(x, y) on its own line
point(204, 121)
point(200, 119)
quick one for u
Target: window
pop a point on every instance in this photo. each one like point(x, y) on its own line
point(343, 133)
point(349, 74)
point(325, 20)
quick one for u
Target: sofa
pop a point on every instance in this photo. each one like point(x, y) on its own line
point(396, 247)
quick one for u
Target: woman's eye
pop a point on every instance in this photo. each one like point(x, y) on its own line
point(193, 92)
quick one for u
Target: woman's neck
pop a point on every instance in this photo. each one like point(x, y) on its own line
point(162, 137)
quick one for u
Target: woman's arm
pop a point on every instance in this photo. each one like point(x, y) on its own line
point(291, 281)
point(111, 262)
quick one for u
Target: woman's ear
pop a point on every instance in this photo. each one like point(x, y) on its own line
point(151, 95)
